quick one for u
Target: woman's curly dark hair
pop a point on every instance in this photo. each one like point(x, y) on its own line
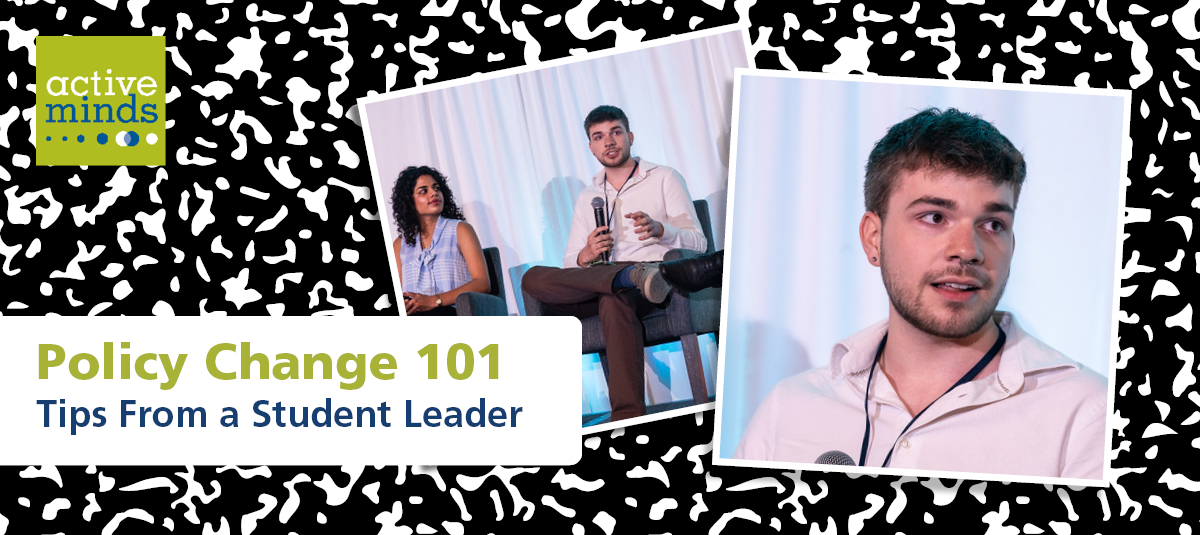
point(405, 211)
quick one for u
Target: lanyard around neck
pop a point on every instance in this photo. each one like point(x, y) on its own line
point(970, 375)
point(608, 223)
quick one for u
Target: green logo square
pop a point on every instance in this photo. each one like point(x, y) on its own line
point(101, 101)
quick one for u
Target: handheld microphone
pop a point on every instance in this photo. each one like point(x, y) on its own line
point(836, 457)
point(598, 211)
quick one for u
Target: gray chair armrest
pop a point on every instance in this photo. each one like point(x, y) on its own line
point(480, 304)
point(680, 254)
point(533, 307)
point(695, 312)
point(704, 307)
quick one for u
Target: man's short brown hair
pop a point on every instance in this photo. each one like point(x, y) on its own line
point(602, 114)
point(941, 141)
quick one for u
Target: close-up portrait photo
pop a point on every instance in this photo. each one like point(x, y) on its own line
point(922, 278)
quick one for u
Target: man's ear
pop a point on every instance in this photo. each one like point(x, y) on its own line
point(870, 232)
point(630, 137)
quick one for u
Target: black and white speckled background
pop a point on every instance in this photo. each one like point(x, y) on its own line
point(261, 212)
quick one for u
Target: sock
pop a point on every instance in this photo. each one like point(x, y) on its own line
point(622, 280)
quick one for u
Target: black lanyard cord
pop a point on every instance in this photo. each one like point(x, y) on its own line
point(970, 376)
point(636, 163)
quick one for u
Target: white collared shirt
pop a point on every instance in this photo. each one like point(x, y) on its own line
point(657, 190)
point(1040, 414)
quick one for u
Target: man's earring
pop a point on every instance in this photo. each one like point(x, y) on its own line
point(874, 259)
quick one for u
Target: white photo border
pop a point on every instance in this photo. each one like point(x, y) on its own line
point(730, 248)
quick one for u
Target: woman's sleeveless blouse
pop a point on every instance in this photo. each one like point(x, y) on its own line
point(440, 268)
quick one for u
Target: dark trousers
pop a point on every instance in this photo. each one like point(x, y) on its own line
point(587, 292)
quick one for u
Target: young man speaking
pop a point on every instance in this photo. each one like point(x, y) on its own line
point(611, 269)
point(947, 383)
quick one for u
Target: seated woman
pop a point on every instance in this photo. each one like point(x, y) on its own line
point(437, 251)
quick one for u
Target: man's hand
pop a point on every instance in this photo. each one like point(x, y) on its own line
point(598, 242)
point(418, 302)
point(645, 226)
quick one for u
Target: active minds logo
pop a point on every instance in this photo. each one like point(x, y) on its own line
point(101, 101)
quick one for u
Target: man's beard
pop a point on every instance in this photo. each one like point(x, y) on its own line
point(906, 301)
point(624, 157)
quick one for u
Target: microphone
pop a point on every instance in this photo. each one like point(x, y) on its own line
point(835, 457)
point(598, 211)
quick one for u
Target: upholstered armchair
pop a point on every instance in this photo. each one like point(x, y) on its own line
point(485, 304)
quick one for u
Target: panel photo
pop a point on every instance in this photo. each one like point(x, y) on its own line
point(591, 187)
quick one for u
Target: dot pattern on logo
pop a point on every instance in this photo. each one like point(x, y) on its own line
point(123, 138)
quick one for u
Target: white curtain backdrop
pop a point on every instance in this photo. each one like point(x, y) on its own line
point(798, 280)
point(516, 155)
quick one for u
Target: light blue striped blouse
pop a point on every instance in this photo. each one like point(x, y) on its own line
point(440, 268)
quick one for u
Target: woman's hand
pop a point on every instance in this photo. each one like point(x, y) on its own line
point(418, 303)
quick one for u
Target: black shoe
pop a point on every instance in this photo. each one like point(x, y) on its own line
point(695, 274)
